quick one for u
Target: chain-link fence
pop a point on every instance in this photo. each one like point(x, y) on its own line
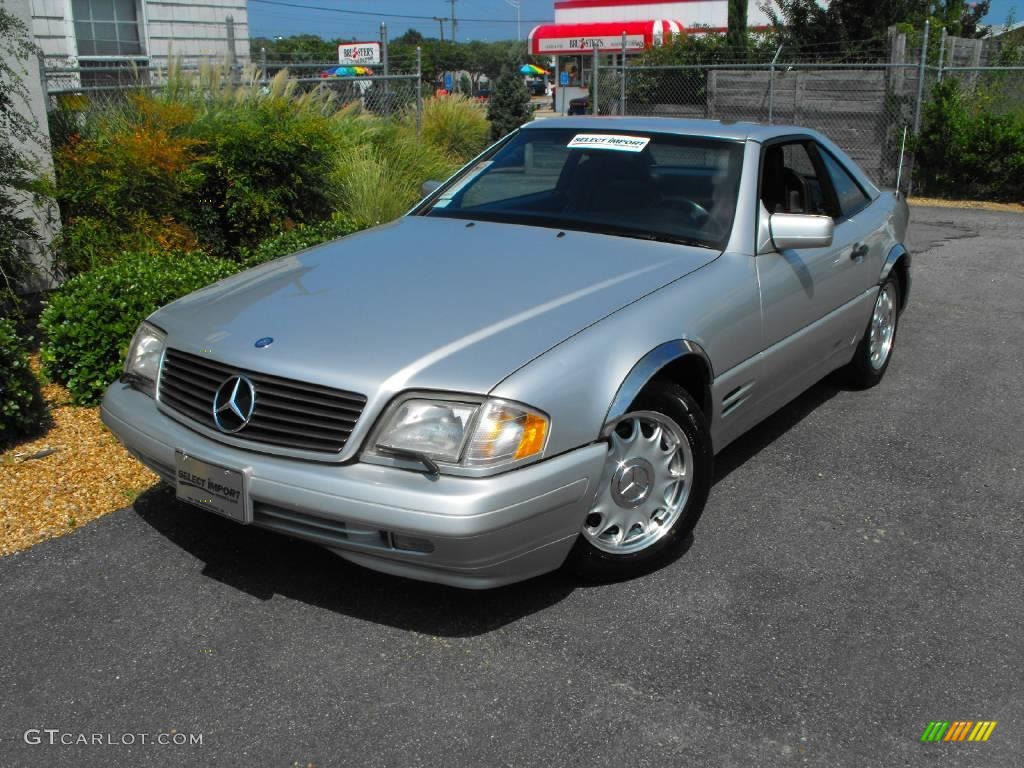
point(388, 95)
point(866, 104)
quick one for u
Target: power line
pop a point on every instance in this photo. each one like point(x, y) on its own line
point(378, 14)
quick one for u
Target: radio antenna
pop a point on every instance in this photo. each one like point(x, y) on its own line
point(899, 169)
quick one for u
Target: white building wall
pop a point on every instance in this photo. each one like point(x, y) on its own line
point(705, 13)
point(45, 214)
point(191, 29)
point(196, 29)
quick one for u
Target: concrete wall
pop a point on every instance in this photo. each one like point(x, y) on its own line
point(47, 217)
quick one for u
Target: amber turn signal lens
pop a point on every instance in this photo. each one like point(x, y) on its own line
point(535, 432)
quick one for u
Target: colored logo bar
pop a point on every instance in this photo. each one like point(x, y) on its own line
point(958, 730)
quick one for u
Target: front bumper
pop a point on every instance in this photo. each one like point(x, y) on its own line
point(482, 532)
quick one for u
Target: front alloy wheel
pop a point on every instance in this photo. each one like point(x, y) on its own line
point(645, 485)
point(653, 488)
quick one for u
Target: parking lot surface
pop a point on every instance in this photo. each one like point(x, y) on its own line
point(856, 575)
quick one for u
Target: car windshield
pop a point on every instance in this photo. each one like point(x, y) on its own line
point(652, 186)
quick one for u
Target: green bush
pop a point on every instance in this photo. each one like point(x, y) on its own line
point(131, 166)
point(456, 125)
point(88, 242)
point(379, 178)
point(198, 165)
point(22, 410)
point(89, 322)
point(265, 163)
point(203, 165)
point(970, 147)
point(301, 237)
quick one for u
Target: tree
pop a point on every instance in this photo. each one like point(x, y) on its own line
point(509, 106)
point(737, 34)
point(17, 168)
point(847, 27)
point(412, 37)
point(297, 48)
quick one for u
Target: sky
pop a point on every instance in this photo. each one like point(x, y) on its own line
point(478, 19)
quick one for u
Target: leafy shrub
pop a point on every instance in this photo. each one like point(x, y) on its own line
point(87, 242)
point(301, 237)
point(265, 164)
point(380, 180)
point(131, 165)
point(203, 165)
point(968, 148)
point(22, 410)
point(89, 322)
point(196, 164)
point(456, 125)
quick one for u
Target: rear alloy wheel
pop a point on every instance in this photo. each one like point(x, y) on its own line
point(875, 348)
point(653, 488)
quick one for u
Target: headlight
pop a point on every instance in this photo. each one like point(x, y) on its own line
point(482, 434)
point(143, 362)
point(435, 428)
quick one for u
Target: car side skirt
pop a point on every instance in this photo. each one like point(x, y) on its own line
point(756, 388)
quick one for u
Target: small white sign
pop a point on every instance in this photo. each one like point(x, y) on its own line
point(359, 53)
point(614, 141)
point(608, 43)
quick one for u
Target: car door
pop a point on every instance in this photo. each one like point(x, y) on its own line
point(806, 293)
point(857, 218)
point(801, 286)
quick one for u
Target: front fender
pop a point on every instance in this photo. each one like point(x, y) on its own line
point(648, 366)
point(712, 314)
point(898, 255)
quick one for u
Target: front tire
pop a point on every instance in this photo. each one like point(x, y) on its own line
point(653, 489)
point(871, 359)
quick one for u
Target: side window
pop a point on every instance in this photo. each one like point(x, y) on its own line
point(850, 196)
point(789, 181)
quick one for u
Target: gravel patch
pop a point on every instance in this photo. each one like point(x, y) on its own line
point(73, 474)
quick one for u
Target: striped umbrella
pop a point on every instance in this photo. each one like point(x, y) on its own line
point(530, 69)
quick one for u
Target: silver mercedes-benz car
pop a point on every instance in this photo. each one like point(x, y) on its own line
point(539, 362)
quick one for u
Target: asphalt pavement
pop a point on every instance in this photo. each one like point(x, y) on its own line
point(856, 575)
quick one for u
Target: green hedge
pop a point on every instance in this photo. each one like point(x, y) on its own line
point(22, 410)
point(301, 237)
point(89, 322)
point(971, 146)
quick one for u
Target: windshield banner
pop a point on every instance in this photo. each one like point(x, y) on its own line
point(609, 141)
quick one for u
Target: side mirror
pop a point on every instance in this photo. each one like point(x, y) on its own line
point(800, 230)
point(429, 187)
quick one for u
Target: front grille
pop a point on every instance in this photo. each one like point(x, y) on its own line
point(291, 414)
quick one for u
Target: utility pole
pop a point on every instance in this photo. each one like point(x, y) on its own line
point(454, 22)
point(440, 23)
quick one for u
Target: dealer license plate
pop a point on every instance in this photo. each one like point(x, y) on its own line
point(212, 487)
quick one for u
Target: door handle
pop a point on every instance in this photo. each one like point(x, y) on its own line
point(860, 250)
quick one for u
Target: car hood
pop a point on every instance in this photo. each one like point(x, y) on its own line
point(424, 303)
